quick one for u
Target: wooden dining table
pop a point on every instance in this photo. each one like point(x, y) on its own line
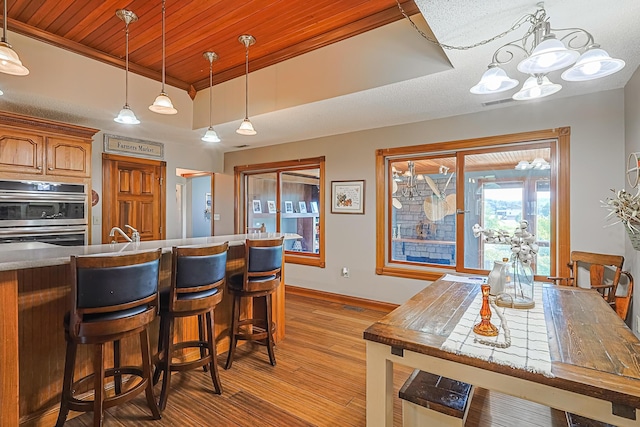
point(595, 357)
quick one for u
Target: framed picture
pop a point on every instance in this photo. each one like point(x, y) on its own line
point(314, 207)
point(347, 197)
point(271, 205)
point(257, 207)
point(288, 207)
point(303, 206)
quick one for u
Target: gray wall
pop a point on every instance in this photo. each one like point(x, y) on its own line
point(597, 154)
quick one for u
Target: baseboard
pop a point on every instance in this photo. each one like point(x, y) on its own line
point(341, 299)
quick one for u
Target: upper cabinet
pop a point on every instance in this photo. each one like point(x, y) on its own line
point(40, 147)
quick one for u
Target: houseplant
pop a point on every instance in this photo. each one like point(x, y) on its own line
point(624, 208)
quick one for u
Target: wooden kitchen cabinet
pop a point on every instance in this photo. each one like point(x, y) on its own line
point(34, 146)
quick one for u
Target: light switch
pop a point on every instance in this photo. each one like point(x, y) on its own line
point(96, 220)
point(216, 217)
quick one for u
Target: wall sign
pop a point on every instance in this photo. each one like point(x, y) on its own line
point(134, 147)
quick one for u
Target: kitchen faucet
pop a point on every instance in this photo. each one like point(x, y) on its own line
point(112, 233)
point(135, 236)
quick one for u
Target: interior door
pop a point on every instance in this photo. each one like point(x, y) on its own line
point(133, 193)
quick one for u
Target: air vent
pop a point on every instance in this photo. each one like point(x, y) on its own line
point(242, 146)
point(499, 101)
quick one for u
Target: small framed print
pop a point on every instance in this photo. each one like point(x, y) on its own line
point(288, 207)
point(347, 197)
point(303, 206)
point(257, 207)
point(314, 207)
point(271, 206)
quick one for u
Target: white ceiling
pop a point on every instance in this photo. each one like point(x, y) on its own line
point(386, 77)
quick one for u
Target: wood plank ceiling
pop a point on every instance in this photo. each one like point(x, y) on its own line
point(283, 29)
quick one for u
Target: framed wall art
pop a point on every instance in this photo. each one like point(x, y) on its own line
point(347, 197)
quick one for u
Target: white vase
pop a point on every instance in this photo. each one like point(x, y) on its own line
point(497, 277)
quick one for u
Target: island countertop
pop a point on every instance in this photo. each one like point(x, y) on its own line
point(18, 256)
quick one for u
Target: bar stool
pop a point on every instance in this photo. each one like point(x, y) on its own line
point(112, 297)
point(260, 278)
point(197, 284)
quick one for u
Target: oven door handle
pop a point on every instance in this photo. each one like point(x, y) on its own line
point(41, 231)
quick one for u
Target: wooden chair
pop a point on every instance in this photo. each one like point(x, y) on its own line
point(197, 284)
point(260, 278)
point(112, 297)
point(604, 275)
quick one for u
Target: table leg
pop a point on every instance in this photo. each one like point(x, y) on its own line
point(9, 406)
point(379, 385)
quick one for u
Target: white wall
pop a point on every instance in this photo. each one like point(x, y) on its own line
point(597, 150)
point(632, 145)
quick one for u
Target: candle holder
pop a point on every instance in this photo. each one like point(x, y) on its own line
point(485, 327)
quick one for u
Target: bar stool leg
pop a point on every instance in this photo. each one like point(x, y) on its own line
point(213, 364)
point(201, 338)
point(117, 378)
point(162, 344)
point(146, 373)
point(272, 357)
point(98, 384)
point(168, 351)
point(69, 363)
point(235, 318)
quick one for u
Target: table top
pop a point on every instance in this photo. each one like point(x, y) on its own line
point(16, 256)
point(592, 351)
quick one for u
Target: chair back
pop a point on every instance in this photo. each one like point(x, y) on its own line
point(263, 264)
point(604, 272)
point(622, 303)
point(113, 294)
point(198, 277)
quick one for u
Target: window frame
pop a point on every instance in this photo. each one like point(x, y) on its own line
point(560, 203)
point(240, 211)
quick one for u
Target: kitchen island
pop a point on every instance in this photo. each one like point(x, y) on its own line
point(34, 290)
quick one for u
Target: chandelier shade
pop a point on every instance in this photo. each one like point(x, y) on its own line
point(545, 49)
point(536, 87)
point(126, 114)
point(162, 103)
point(246, 128)
point(211, 135)
point(9, 61)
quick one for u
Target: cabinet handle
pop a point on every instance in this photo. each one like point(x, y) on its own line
point(50, 169)
point(39, 168)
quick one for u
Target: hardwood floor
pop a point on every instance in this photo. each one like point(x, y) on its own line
point(319, 381)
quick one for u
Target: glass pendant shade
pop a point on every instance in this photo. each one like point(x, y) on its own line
point(550, 55)
point(246, 128)
point(162, 105)
point(10, 62)
point(593, 64)
point(211, 135)
point(535, 87)
point(494, 80)
point(126, 116)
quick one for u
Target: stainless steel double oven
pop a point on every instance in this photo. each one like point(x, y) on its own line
point(32, 211)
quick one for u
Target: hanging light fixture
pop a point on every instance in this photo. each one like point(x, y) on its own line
point(210, 135)
point(162, 103)
point(545, 53)
point(246, 128)
point(9, 61)
point(126, 115)
point(410, 191)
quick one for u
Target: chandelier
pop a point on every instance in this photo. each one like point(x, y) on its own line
point(543, 53)
point(410, 190)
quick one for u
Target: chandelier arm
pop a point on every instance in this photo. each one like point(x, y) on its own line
point(574, 34)
point(529, 17)
point(505, 49)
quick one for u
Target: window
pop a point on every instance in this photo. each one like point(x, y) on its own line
point(432, 195)
point(285, 197)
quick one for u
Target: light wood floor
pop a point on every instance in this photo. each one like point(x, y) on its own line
point(319, 381)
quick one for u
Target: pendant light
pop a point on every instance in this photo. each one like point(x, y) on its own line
point(210, 135)
point(126, 115)
point(246, 128)
point(9, 61)
point(163, 104)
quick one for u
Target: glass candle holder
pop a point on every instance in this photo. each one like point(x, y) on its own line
point(485, 327)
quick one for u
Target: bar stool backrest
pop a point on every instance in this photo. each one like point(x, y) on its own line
point(197, 273)
point(113, 294)
point(263, 263)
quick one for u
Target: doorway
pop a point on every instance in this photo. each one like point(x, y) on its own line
point(198, 209)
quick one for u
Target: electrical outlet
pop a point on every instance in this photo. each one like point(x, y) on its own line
point(345, 272)
point(96, 220)
point(638, 324)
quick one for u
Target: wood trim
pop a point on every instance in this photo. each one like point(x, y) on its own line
point(560, 177)
point(310, 260)
point(341, 299)
point(269, 166)
point(34, 123)
point(133, 159)
point(213, 203)
point(9, 365)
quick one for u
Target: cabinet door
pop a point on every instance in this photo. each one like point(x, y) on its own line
point(21, 152)
point(68, 157)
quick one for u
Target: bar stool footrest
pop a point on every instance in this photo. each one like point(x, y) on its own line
point(82, 405)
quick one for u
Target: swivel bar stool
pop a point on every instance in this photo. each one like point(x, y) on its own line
point(112, 297)
point(260, 278)
point(197, 284)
